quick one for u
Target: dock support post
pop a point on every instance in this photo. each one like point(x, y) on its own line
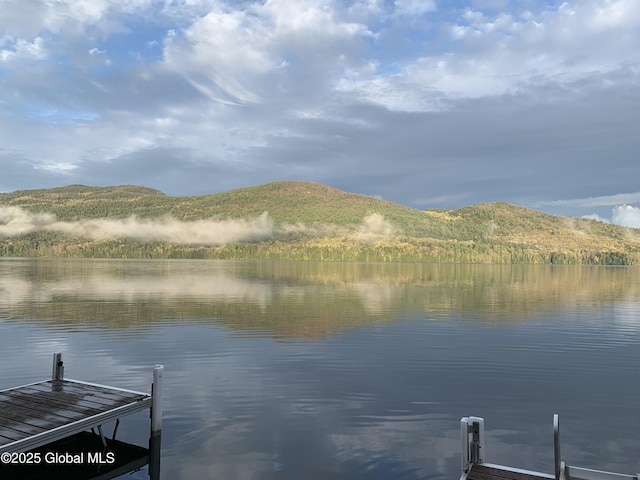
point(156, 423)
point(57, 372)
point(156, 400)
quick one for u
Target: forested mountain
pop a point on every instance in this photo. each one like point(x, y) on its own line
point(295, 220)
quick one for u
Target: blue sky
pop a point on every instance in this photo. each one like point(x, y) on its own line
point(428, 103)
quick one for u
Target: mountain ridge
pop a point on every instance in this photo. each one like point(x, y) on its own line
point(321, 219)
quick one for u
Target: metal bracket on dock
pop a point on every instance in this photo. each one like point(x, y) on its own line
point(472, 436)
point(115, 429)
point(57, 372)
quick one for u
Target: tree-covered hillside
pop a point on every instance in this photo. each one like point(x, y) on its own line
point(303, 220)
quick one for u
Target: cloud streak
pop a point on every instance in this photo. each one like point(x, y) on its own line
point(606, 200)
point(15, 221)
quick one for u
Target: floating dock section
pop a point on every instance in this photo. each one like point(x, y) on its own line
point(42, 413)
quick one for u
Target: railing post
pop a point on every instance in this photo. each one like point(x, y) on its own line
point(57, 372)
point(156, 423)
point(561, 470)
point(557, 458)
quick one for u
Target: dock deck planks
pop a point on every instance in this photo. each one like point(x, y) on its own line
point(36, 414)
point(499, 472)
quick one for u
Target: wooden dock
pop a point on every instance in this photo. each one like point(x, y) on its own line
point(38, 414)
point(474, 466)
point(43, 412)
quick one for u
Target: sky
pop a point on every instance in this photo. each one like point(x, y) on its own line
point(428, 103)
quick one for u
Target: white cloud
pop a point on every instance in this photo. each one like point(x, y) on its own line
point(61, 13)
point(627, 216)
point(30, 18)
point(363, 9)
point(23, 50)
point(624, 215)
point(60, 168)
point(394, 93)
point(614, 15)
point(505, 52)
point(223, 51)
point(414, 7)
point(595, 216)
point(495, 4)
point(258, 53)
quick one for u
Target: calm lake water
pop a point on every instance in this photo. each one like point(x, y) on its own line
point(302, 370)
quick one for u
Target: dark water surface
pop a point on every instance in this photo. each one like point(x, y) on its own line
point(303, 370)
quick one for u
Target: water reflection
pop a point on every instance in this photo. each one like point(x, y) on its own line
point(274, 296)
point(336, 371)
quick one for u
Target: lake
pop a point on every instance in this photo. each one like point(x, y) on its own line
point(354, 371)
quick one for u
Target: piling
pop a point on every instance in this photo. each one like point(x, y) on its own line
point(156, 400)
point(156, 423)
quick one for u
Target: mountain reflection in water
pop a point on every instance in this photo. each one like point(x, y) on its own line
point(341, 370)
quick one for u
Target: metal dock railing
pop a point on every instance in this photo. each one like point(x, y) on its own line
point(475, 467)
